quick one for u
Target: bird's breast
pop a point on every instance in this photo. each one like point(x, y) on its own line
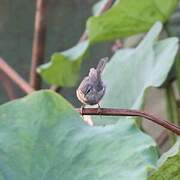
point(81, 96)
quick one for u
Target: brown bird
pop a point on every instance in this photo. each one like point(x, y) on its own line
point(92, 89)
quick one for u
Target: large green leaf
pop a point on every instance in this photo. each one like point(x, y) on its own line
point(128, 17)
point(131, 71)
point(64, 67)
point(43, 137)
point(168, 165)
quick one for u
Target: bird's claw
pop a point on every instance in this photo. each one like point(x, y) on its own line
point(99, 109)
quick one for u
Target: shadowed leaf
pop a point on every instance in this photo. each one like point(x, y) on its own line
point(63, 69)
point(43, 137)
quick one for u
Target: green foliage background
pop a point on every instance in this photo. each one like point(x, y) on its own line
point(16, 35)
point(42, 136)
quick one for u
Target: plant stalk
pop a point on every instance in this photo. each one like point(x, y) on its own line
point(128, 112)
point(38, 42)
point(14, 76)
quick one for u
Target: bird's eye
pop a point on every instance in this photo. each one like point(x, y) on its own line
point(88, 90)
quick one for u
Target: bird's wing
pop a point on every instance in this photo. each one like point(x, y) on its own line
point(85, 85)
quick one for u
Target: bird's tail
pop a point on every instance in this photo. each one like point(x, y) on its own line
point(101, 65)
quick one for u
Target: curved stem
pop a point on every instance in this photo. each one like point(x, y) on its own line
point(129, 112)
point(14, 76)
point(8, 86)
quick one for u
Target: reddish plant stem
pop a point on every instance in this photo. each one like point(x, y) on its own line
point(128, 112)
point(38, 42)
point(14, 76)
point(8, 87)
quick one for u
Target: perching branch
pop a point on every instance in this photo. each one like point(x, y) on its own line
point(13, 75)
point(128, 112)
point(38, 42)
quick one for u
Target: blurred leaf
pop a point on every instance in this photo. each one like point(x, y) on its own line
point(168, 165)
point(131, 71)
point(43, 137)
point(64, 67)
point(129, 17)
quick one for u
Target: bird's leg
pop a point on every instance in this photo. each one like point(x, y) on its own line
point(99, 109)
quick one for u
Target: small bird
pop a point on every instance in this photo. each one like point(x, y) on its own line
point(92, 89)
